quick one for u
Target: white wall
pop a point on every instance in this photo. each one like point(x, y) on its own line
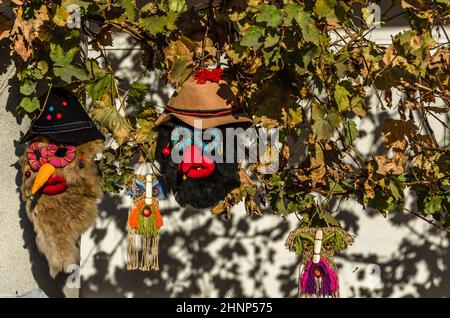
point(15, 269)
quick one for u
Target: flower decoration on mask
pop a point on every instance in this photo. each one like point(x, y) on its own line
point(60, 155)
point(181, 136)
point(216, 141)
point(37, 155)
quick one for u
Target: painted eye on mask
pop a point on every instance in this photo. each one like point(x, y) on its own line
point(61, 155)
point(181, 136)
point(215, 143)
point(37, 155)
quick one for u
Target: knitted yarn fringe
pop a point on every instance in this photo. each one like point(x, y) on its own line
point(144, 221)
point(318, 280)
point(147, 258)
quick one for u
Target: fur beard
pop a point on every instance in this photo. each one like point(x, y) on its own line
point(59, 220)
point(198, 193)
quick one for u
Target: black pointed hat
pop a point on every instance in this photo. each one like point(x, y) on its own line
point(63, 119)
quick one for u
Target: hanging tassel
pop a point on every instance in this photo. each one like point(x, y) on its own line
point(132, 256)
point(154, 262)
point(319, 280)
point(318, 277)
point(316, 247)
point(144, 222)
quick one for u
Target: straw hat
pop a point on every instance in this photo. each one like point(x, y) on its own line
point(206, 97)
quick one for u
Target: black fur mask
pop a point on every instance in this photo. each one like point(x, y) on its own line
point(199, 193)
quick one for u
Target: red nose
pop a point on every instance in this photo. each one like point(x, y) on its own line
point(194, 165)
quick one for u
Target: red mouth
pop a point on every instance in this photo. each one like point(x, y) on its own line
point(55, 185)
point(194, 165)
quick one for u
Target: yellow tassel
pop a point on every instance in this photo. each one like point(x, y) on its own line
point(143, 251)
point(132, 252)
point(155, 252)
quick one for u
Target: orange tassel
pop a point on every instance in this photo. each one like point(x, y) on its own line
point(158, 219)
point(133, 218)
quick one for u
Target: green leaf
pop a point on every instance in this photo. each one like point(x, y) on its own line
point(351, 132)
point(394, 190)
point(136, 94)
point(272, 57)
point(271, 40)
point(102, 82)
point(321, 126)
point(412, 46)
point(42, 67)
point(281, 207)
point(292, 12)
point(175, 5)
point(357, 106)
point(109, 117)
point(97, 88)
point(27, 87)
point(129, 6)
point(294, 117)
point(29, 105)
point(180, 71)
point(145, 132)
point(62, 64)
point(310, 33)
point(433, 204)
point(60, 57)
point(157, 24)
point(149, 8)
point(325, 8)
point(334, 186)
point(270, 14)
point(66, 73)
point(328, 218)
point(252, 37)
point(324, 123)
point(341, 96)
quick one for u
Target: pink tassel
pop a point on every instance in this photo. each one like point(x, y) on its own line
point(319, 279)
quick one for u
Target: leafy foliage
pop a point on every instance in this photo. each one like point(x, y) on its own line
point(313, 58)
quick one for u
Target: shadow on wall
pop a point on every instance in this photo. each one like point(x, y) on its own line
point(220, 258)
point(189, 267)
point(421, 253)
point(188, 261)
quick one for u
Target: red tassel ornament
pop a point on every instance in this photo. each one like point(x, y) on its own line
point(203, 74)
